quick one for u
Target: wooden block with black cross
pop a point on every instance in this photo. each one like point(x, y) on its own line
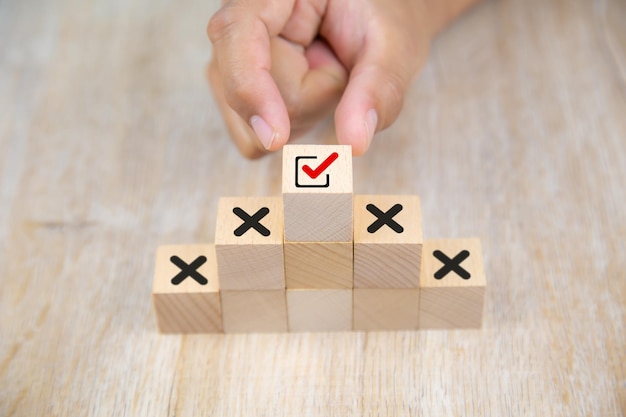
point(452, 288)
point(185, 290)
point(387, 241)
point(249, 243)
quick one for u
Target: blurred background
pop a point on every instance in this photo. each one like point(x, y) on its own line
point(111, 144)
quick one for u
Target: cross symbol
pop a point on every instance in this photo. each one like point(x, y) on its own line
point(384, 218)
point(251, 221)
point(189, 270)
point(453, 264)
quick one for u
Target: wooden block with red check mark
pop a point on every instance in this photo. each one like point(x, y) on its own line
point(317, 193)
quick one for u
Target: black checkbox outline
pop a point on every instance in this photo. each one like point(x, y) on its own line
point(298, 185)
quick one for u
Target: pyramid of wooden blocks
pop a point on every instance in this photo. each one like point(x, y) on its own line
point(319, 258)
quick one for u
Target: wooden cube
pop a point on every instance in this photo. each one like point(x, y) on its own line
point(387, 241)
point(249, 243)
point(384, 309)
point(319, 310)
point(322, 265)
point(317, 193)
point(254, 311)
point(453, 284)
point(185, 290)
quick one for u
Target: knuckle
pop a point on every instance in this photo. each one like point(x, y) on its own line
point(222, 22)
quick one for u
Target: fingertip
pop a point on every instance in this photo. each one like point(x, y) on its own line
point(371, 125)
point(356, 128)
point(240, 130)
point(272, 136)
point(264, 132)
point(260, 104)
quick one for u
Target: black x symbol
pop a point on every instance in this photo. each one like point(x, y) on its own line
point(384, 218)
point(189, 270)
point(251, 221)
point(453, 264)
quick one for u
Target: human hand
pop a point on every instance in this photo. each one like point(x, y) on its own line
point(279, 66)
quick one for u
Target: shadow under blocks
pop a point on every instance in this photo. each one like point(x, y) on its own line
point(319, 258)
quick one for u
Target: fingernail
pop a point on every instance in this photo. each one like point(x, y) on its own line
point(263, 130)
point(371, 121)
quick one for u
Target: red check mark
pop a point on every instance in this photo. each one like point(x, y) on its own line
point(314, 173)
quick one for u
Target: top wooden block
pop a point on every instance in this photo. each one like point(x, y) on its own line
point(318, 169)
point(317, 193)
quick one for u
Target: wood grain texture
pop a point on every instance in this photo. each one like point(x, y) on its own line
point(110, 145)
point(187, 306)
point(319, 265)
point(254, 311)
point(319, 209)
point(319, 310)
point(252, 260)
point(387, 258)
point(386, 309)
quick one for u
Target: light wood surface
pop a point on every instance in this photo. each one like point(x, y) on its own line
point(259, 311)
point(452, 284)
point(386, 309)
point(319, 265)
point(190, 305)
point(250, 259)
point(317, 209)
point(111, 145)
point(387, 258)
point(319, 310)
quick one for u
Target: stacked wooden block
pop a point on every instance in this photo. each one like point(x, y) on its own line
point(319, 259)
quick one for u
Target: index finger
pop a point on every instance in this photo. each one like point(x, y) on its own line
point(240, 33)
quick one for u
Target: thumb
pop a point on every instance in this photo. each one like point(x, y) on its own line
point(375, 92)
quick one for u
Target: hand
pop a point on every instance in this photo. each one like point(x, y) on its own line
point(279, 66)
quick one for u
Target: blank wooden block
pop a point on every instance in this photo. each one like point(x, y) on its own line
point(187, 300)
point(376, 309)
point(320, 265)
point(317, 193)
point(254, 311)
point(387, 244)
point(247, 258)
point(447, 299)
point(319, 310)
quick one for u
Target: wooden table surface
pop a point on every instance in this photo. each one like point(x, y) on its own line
point(110, 145)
